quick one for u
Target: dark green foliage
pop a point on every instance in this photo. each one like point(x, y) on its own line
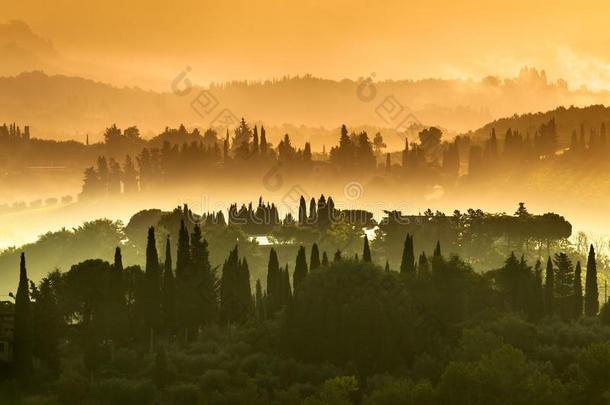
point(366, 251)
point(47, 321)
point(22, 346)
point(423, 266)
point(591, 292)
point(183, 258)
point(407, 264)
point(387, 266)
point(300, 269)
point(314, 261)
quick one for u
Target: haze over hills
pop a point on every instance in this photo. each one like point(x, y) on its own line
point(62, 107)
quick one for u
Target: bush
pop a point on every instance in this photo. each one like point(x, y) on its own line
point(214, 380)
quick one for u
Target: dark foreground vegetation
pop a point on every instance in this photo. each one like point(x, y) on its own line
point(330, 329)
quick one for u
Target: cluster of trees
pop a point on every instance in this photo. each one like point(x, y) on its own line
point(431, 328)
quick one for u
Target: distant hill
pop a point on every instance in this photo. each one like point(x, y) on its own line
point(63, 107)
point(566, 121)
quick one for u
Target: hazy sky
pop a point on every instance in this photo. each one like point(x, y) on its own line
point(149, 42)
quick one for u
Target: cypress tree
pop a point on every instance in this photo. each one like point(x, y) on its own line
point(152, 302)
point(230, 289)
point(300, 269)
point(183, 257)
point(314, 260)
point(274, 283)
point(549, 288)
point(337, 257)
point(286, 291)
point(324, 259)
point(169, 293)
point(313, 211)
point(117, 292)
point(260, 301)
point(437, 249)
point(302, 211)
point(387, 266)
point(423, 266)
point(388, 165)
point(263, 146)
point(22, 333)
point(255, 142)
point(577, 291)
point(366, 252)
point(591, 293)
point(407, 264)
point(203, 279)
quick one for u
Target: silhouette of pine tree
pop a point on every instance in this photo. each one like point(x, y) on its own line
point(22, 334)
point(366, 252)
point(591, 292)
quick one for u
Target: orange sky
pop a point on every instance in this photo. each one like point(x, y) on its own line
point(147, 43)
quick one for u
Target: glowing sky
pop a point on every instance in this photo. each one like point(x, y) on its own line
point(147, 42)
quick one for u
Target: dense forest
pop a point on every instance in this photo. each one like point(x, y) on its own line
point(329, 328)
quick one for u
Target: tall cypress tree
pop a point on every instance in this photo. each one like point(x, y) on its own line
point(423, 267)
point(259, 301)
point(263, 146)
point(591, 293)
point(337, 257)
point(407, 264)
point(324, 259)
point(169, 293)
point(203, 280)
point(387, 266)
point(22, 333)
point(549, 288)
point(302, 211)
point(577, 291)
point(286, 291)
point(300, 269)
point(152, 302)
point(437, 249)
point(314, 261)
point(274, 283)
point(366, 251)
point(183, 257)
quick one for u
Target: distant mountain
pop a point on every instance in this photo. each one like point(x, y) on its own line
point(62, 107)
point(566, 121)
